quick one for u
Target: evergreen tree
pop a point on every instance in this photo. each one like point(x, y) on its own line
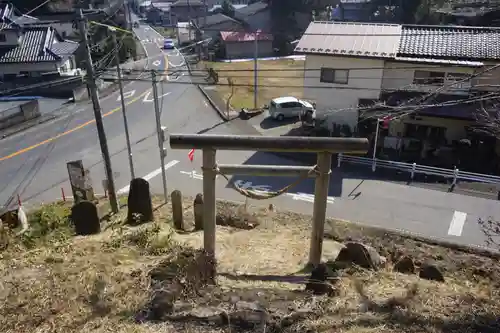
point(227, 8)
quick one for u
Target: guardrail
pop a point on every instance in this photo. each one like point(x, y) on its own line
point(414, 168)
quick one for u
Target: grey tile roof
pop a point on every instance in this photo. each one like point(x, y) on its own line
point(38, 44)
point(185, 3)
point(374, 40)
point(450, 42)
point(216, 19)
point(250, 10)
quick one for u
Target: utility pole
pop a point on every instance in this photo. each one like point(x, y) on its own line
point(94, 95)
point(189, 20)
point(160, 134)
point(255, 69)
point(120, 84)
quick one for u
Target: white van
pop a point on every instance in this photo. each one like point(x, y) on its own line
point(290, 107)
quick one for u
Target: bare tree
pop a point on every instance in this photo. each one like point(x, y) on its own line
point(230, 97)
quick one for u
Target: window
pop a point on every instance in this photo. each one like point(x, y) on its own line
point(289, 105)
point(3, 38)
point(330, 75)
point(429, 78)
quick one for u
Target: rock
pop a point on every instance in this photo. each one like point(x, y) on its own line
point(318, 281)
point(360, 254)
point(249, 315)
point(85, 218)
point(405, 265)
point(429, 271)
point(140, 207)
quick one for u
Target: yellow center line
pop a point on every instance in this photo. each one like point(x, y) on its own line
point(44, 142)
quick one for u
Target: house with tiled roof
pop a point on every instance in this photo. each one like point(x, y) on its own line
point(351, 66)
point(32, 50)
point(241, 44)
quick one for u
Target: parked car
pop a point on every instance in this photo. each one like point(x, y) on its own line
point(168, 44)
point(291, 107)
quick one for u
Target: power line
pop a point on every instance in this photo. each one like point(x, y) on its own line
point(27, 13)
point(473, 31)
point(145, 79)
point(288, 69)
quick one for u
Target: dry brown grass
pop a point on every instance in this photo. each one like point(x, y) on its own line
point(58, 283)
point(273, 75)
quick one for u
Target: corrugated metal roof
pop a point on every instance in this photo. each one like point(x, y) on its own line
point(38, 44)
point(351, 39)
point(236, 36)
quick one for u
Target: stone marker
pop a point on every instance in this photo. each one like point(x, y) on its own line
point(85, 218)
point(140, 207)
point(177, 211)
point(198, 212)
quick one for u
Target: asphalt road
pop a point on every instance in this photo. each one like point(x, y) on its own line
point(33, 163)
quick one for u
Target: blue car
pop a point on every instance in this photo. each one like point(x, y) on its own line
point(168, 44)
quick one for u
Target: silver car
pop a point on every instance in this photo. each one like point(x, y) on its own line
point(290, 107)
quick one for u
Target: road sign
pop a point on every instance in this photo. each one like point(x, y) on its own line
point(191, 155)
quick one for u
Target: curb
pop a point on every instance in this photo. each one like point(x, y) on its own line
point(23, 128)
point(469, 249)
point(212, 103)
point(207, 97)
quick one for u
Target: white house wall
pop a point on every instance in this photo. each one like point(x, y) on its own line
point(400, 75)
point(489, 81)
point(340, 101)
point(11, 38)
point(32, 67)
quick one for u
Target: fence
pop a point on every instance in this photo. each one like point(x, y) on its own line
point(414, 168)
point(323, 147)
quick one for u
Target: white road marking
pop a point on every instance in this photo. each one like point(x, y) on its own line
point(156, 63)
point(251, 187)
point(308, 197)
point(457, 223)
point(148, 98)
point(126, 95)
point(149, 176)
point(174, 77)
point(195, 175)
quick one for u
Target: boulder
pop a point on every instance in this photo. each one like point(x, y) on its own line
point(405, 265)
point(430, 271)
point(360, 254)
